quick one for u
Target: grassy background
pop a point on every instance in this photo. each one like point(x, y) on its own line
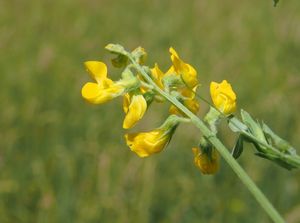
point(62, 160)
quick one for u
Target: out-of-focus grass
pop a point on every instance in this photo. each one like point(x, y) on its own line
point(62, 160)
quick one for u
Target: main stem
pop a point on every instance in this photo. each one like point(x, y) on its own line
point(256, 192)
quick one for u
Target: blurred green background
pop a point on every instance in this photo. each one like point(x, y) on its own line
point(62, 160)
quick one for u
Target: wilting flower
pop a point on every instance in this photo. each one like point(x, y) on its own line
point(135, 107)
point(185, 70)
point(147, 143)
point(223, 97)
point(207, 162)
point(104, 89)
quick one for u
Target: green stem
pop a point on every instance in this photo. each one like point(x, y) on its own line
point(295, 159)
point(208, 134)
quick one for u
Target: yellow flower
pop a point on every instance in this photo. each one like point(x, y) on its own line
point(147, 143)
point(104, 89)
point(190, 102)
point(185, 70)
point(223, 97)
point(208, 163)
point(157, 75)
point(135, 108)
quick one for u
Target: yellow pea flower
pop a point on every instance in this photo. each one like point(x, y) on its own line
point(135, 108)
point(104, 89)
point(223, 97)
point(147, 143)
point(190, 102)
point(185, 70)
point(207, 163)
point(157, 75)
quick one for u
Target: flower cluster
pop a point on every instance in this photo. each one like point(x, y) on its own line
point(179, 81)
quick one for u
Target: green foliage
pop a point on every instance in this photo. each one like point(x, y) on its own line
point(238, 147)
point(269, 145)
point(62, 160)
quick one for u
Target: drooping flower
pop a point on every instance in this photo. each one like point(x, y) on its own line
point(207, 162)
point(135, 107)
point(223, 97)
point(147, 143)
point(185, 70)
point(104, 89)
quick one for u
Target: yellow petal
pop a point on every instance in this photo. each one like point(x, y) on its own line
point(90, 90)
point(195, 151)
point(177, 62)
point(187, 92)
point(207, 164)
point(147, 143)
point(157, 75)
point(227, 90)
point(189, 76)
point(171, 71)
point(223, 97)
point(193, 105)
point(173, 52)
point(174, 110)
point(126, 102)
point(97, 70)
point(187, 72)
point(136, 111)
point(96, 94)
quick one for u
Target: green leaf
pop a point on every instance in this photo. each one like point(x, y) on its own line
point(275, 2)
point(277, 160)
point(238, 148)
point(278, 142)
point(254, 126)
point(236, 126)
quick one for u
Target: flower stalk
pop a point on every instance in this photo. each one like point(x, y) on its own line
point(140, 86)
point(212, 138)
